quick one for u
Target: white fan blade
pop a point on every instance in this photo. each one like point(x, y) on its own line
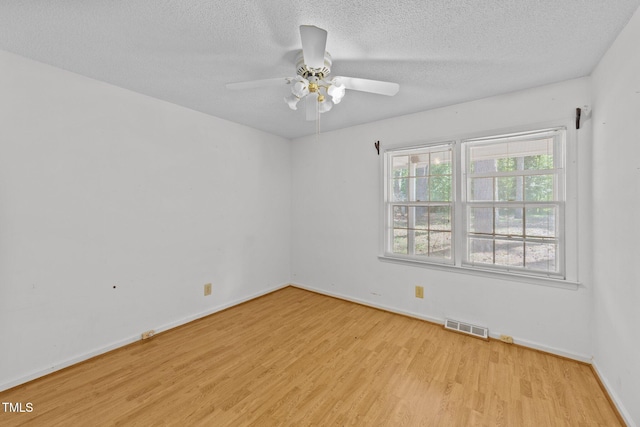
point(373, 86)
point(259, 83)
point(312, 106)
point(314, 43)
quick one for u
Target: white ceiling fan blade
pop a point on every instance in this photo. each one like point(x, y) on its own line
point(314, 43)
point(312, 106)
point(258, 83)
point(373, 86)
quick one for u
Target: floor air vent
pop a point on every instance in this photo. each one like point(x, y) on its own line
point(466, 328)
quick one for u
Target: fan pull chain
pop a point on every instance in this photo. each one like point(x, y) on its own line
point(317, 123)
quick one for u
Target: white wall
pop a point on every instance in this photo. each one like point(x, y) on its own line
point(336, 227)
point(102, 187)
point(616, 206)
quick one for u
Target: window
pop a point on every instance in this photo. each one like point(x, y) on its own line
point(500, 207)
point(514, 201)
point(420, 203)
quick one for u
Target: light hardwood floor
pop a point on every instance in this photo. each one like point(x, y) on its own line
point(296, 358)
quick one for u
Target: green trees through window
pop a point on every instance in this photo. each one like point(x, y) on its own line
point(421, 202)
point(510, 193)
point(513, 201)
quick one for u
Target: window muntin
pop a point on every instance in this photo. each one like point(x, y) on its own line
point(419, 203)
point(514, 202)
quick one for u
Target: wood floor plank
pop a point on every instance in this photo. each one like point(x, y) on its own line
point(296, 358)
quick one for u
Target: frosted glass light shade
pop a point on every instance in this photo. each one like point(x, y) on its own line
point(300, 88)
point(336, 91)
point(292, 101)
point(325, 106)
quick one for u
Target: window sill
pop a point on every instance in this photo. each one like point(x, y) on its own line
point(502, 275)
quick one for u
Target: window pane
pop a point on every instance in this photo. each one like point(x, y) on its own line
point(507, 164)
point(481, 250)
point(421, 189)
point(441, 163)
point(421, 240)
point(539, 162)
point(481, 220)
point(541, 256)
point(399, 241)
point(525, 152)
point(421, 217)
point(400, 188)
point(481, 189)
point(533, 146)
point(509, 221)
point(538, 188)
point(540, 222)
point(440, 218)
point(509, 188)
point(532, 154)
point(509, 253)
point(399, 217)
point(483, 165)
point(420, 164)
point(440, 244)
point(440, 188)
point(486, 152)
point(400, 166)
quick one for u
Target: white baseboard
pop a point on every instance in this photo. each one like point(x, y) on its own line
point(613, 395)
point(369, 303)
point(216, 309)
point(545, 348)
point(524, 343)
point(66, 363)
point(121, 343)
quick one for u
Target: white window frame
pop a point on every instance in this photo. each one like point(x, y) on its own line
point(567, 229)
point(558, 135)
point(390, 204)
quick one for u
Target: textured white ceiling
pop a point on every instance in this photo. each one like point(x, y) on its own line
point(441, 52)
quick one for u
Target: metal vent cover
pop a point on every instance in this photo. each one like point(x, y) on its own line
point(467, 328)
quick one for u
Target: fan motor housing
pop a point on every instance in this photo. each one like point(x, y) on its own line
point(305, 71)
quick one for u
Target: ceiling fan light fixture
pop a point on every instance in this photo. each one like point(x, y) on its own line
point(292, 101)
point(336, 91)
point(324, 106)
point(300, 88)
point(312, 82)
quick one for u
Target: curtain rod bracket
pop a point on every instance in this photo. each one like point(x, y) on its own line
point(377, 145)
point(578, 114)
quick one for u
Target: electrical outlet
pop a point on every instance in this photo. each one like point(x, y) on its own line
point(506, 338)
point(148, 334)
point(419, 292)
point(207, 289)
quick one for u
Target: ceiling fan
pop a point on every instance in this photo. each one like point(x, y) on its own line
point(312, 82)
